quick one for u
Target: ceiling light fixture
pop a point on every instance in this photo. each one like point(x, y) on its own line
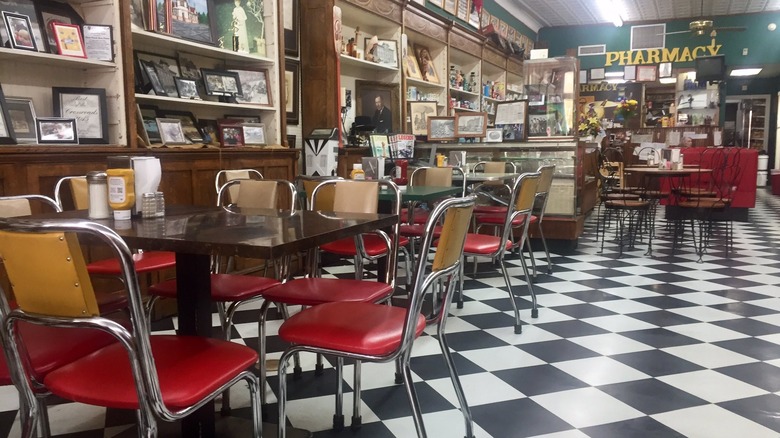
point(610, 10)
point(745, 72)
point(616, 81)
point(667, 80)
point(613, 74)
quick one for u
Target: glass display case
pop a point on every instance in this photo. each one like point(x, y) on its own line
point(551, 89)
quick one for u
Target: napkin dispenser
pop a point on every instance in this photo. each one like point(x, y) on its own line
point(671, 155)
point(148, 174)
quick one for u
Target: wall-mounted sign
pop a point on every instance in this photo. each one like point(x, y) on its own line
point(657, 56)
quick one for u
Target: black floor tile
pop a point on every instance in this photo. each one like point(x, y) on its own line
point(748, 326)
point(656, 363)
point(557, 351)
point(571, 329)
point(539, 379)
point(651, 396)
point(758, 374)
point(527, 418)
point(635, 428)
point(660, 338)
point(755, 348)
point(762, 409)
point(663, 318)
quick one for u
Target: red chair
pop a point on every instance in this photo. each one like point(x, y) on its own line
point(373, 332)
point(347, 197)
point(161, 377)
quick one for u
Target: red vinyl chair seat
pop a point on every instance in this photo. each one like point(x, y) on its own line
point(499, 219)
point(489, 209)
point(483, 244)
point(362, 328)
point(144, 262)
point(417, 230)
point(224, 287)
point(374, 245)
point(51, 347)
point(420, 215)
point(316, 291)
point(189, 368)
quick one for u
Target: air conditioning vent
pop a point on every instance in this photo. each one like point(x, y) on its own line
point(649, 36)
point(595, 49)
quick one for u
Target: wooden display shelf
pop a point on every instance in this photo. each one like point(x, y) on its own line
point(435, 101)
point(362, 63)
point(52, 60)
point(466, 109)
point(202, 103)
point(464, 92)
point(144, 38)
point(421, 83)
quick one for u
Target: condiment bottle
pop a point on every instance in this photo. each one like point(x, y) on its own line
point(121, 187)
point(97, 187)
point(357, 172)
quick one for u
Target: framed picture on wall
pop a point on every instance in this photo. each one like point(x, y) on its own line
point(6, 129)
point(56, 130)
point(629, 72)
point(290, 9)
point(646, 73)
point(22, 115)
point(88, 107)
point(380, 102)
point(450, 6)
point(596, 74)
point(441, 129)
point(419, 112)
point(292, 80)
point(470, 125)
point(665, 70)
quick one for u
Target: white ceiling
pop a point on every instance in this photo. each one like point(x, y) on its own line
point(546, 13)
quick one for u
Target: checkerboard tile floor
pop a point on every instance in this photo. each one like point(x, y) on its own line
point(631, 346)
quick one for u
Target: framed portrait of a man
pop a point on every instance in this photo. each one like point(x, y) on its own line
point(379, 102)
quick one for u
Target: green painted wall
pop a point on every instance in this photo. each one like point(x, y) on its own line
point(763, 46)
point(494, 9)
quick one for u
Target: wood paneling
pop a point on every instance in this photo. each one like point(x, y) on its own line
point(494, 57)
point(390, 9)
point(466, 41)
point(319, 67)
point(423, 22)
point(514, 66)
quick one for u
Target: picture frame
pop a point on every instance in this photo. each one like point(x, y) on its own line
point(369, 95)
point(291, 20)
point(437, 3)
point(210, 130)
point(494, 135)
point(253, 134)
point(419, 112)
point(187, 88)
point(154, 80)
point(221, 83)
point(411, 68)
point(231, 135)
point(255, 87)
point(380, 145)
point(236, 118)
point(138, 14)
point(291, 141)
point(512, 119)
point(171, 132)
point(190, 70)
point(166, 69)
point(140, 128)
point(189, 124)
point(665, 70)
point(21, 113)
point(385, 52)
point(292, 80)
point(463, 10)
point(69, 40)
point(470, 125)
point(583, 77)
point(148, 114)
point(98, 42)
point(19, 30)
point(441, 128)
point(7, 135)
point(56, 130)
point(646, 73)
point(193, 23)
point(450, 6)
point(88, 106)
point(597, 74)
point(50, 11)
point(426, 64)
point(629, 72)
point(30, 9)
point(251, 37)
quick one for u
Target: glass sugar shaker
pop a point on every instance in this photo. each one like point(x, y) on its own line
point(97, 188)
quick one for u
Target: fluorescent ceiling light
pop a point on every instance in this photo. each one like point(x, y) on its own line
point(613, 74)
point(616, 81)
point(667, 80)
point(610, 10)
point(745, 72)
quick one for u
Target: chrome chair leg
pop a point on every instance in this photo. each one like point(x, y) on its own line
point(531, 253)
point(411, 393)
point(43, 414)
point(254, 397)
point(147, 425)
point(518, 327)
point(338, 414)
point(546, 251)
point(357, 418)
point(534, 308)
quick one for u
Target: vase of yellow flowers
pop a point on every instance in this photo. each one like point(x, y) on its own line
point(589, 126)
point(626, 108)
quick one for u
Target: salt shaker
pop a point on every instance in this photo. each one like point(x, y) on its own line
point(97, 187)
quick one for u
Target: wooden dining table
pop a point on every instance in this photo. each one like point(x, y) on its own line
point(196, 233)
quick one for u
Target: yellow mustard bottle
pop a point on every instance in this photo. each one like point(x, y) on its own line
point(121, 190)
point(357, 172)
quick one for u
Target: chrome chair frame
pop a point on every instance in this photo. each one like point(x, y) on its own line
point(59, 185)
point(136, 342)
point(224, 173)
point(41, 198)
point(422, 283)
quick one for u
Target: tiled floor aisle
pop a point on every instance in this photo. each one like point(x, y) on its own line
point(627, 347)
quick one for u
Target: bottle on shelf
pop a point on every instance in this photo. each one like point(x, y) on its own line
point(473, 82)
point(357, 172)
point(453, 77)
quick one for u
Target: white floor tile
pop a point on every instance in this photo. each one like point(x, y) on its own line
point(610, 344)
point(708, 355)
point(704, 314)
point(625, 306)
point(597, 371)
point(474, 387)
point(712, 421)
point(586, 407)
point(706, 332)
point(502, 358)
point(619, 323)
point(703, 298)
point(530, 335)
point(562, 286)
point(630, 292)
point(448, 423)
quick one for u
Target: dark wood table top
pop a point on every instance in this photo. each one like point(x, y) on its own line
point(256, 233)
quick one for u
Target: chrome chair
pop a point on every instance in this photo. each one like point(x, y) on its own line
point(226, 175)
point(385, 333)
point(160, 377)
point(78, 190)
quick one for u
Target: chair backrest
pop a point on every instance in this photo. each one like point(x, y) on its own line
point(523, 196)
point(355, 197)
point(66, 298)
point(78, 191)
point(495, 167)
point(546, 174)
point(325, 198)
point(225, 176)
point(258, 193)
point(21, 205)
point(431, 176)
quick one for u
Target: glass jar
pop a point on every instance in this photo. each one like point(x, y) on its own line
point(97, 188)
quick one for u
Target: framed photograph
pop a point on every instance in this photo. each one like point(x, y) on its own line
point(55, 130)
point(665, 70)
point(189, 124)
point(88, 107)
point(19, 29)
point(291, 141)
point(425, 63)
point(21, 112)
point(419, 112)
point(6, 129)
point(69, 40)
point(583, 79)
point(221, 83)
point(646, 73)
point(494, 135)
point(384, 52)
point(441, 129)
point(596, 74)
point(231, 135)
point(187, 88)
point(140, 129)
point(98, 42)
point(290, 13)
point(239, 119)
point(254, 87)
point(165, 68)
point(239, 25)
point(470, 125)
point(512, 120)
point(171, 132)
point(210, 129)
point(463, 10)
point(450, 6)
point(148, 115)
point(191, 19)
point(137, 14)
point(381, 103)
point(254, 134)
point(629, 72)
point(292, 80)
point(411, 68)
point(484, 19)
point(26, 8)
point(50, 11)
point(190, 70)
point(380, 145)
